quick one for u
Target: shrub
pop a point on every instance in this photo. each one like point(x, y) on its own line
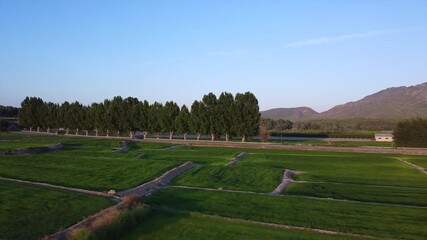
point(411, 133)
point(131, 201)
point(81, 234)
point(263, 134)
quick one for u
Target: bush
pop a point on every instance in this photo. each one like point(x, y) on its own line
point(120, 225)
point(411, 133)
point(263, 134)
point(131, 201)
point(81, 234)
point(4, 124)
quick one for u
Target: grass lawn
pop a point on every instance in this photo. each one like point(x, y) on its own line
point(356, 168)
point(171, 225)
point(10, 141)
point(384, 194)
point(377, 220)
point(29, 212)
point(335, 143)
point(417, 160)
point(88, 164)
point(239, 177)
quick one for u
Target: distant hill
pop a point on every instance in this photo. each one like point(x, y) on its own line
point(293, 114)
point(391, 103)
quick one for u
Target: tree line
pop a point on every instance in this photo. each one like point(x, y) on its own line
point(8, 111)
point(365, 124)
point(226, 115)
point(411, 133)
point(276, 125)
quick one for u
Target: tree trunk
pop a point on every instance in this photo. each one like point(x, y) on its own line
point(108, 133)
point(38, 129)
point(226, 137)
point(130, 134)
point(158, 136)
point(243, 138)
point(170, 135)
point(66, 133)
point(118, 134)
point(87, 133)
point(185, 136)
point(31, 129)
point(145, 135)
point(198, 136)
point(96, 132)
point(212, 137)
point(48, 129)
point(77, 131)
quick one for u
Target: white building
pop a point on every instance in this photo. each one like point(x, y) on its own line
point(384, 137)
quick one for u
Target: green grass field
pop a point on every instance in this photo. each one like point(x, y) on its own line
point(418, 160)
point(387, 190)
point(10, 141)
point(375, 220)
point(164, 225)
point(364, 193)
point(335, 143)
point(29, 212)
point(88, 164)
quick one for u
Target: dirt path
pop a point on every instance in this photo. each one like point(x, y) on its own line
point(287, 179)
point(299, 196)
point(85, 223)
point(124, 148)
point(174, 147)
point(79, 190)
point(236, 159)
point(146, 188)
point(421, 169)
point(158, 183)
point(206, 143)
point(33, 150)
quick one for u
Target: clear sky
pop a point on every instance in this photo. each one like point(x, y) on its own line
point(288, 53)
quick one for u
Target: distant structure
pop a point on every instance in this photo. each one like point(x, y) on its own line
point(384, 137)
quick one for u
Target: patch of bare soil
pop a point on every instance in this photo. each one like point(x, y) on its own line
point(286, 180)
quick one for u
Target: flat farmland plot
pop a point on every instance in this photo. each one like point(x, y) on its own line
point(375, 220)
point(29, 212)
point(88, 164)
point(189, 226)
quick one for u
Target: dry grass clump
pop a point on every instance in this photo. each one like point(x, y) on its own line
point(263, 134)
point(131, 201)
point(105, 218)
point(80, 234)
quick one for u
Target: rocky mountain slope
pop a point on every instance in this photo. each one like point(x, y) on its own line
point(391, 103)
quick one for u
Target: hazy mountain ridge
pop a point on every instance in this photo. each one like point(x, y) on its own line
point(293, 114)
point(391, 103)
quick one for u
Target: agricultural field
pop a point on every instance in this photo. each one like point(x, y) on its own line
point(335, 195)
point(29, 212)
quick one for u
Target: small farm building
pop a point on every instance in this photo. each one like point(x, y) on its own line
point(384, 137)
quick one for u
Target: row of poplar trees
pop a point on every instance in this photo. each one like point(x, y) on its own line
point(226, 116)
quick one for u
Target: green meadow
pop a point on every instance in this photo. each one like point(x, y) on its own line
point(367, 194)
point(29, 212)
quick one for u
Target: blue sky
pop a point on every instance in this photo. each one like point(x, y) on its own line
point(288, 53)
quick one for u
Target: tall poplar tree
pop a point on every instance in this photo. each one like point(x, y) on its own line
point(182, 121)
point(168, 116)
point(212, 113)
point(247, 115)
point(226, 118)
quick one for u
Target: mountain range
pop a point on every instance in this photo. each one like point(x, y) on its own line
point(391, 103)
